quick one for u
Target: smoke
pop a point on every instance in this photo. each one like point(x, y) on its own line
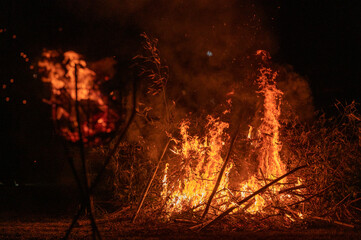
point(297, 92)
point(209, 46)
point(187, 30)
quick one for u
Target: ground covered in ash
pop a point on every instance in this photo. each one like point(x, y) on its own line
point(45, 212)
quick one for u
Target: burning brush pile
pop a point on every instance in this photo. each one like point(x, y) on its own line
point(255, 169)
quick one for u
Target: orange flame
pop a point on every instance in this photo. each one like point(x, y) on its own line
point(269, 146)
point(201, 163)
point(64, 79)
point(201, 158)
point(269, 160)
point(59, 70)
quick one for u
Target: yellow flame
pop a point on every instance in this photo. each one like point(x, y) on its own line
point(164, 182)
point(201, 158)
point(270, 164)
point(201, 163)
point(250, 132)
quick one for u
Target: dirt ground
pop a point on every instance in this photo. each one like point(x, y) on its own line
point(46, 213)
point(50, 229)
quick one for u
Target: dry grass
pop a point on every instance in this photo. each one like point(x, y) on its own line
point(330, 189)
point(331, 147)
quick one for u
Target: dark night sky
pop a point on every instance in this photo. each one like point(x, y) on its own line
point(321, 39)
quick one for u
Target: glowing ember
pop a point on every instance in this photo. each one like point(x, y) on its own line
point(59, 70)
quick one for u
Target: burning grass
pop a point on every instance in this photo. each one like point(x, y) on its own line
point(327, 190)
point(196, 179)
point(273, 171)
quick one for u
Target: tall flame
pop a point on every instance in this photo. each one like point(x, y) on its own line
point(269, 146)
point(201, 157)
point(269, 159)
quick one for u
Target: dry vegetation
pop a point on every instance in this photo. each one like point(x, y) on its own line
point(325, 192)
point(328, 190)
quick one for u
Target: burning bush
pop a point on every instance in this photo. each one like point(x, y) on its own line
point(197, 175)
point(267, 169)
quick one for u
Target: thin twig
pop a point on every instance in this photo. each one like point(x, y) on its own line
point(291, 189)
point(306, 199)
point(220, 175)
point(335, 222)
point(229, 210)
point(150, 182)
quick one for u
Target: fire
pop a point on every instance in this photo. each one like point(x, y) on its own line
point(64, 79)
point(201, 158)
point(268, 145)
point(269, 160)
point(249, 136)
point(59, 71)
point(248, 188)
point(201, 162)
